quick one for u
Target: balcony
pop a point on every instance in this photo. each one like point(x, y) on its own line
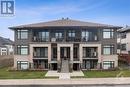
point(37, 39)
point(73, 39)
point(39, 57)
point(90, 57)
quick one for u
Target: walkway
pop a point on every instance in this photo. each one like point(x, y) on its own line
point(87, 81)
point(64, 75)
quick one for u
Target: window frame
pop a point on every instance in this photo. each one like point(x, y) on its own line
point(19, 65)
point(20, 47)
point(123, 47)
point(111, 49)
point(111, 63)
point(20, 32)
point(110, 31)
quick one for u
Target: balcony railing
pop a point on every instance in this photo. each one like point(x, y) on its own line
point(90, 57)
point(40, 57)
point(36, 39)
point(68, 39)
point(75, 59)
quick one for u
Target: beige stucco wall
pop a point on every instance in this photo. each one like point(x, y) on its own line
point(110, 58)
point(20, 58)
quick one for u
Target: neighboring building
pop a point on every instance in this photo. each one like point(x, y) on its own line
point(6, 46)
point(57, 44)
point(123, 41)
point(123, 44)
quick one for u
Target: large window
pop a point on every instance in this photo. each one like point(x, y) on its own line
point(123, 35)
point(22, 50)
point(90, 35)
point(108, 49)
point(71, 33)
point(22, 34)
point(89, 52)
point(59, 36)
point(108, 33)
point(40, 52)
point(108, 64)
point(44, 36)
point(123, 46)
point(22, 65)
point(85, 35)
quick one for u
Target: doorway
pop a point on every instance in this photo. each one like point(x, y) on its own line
point(65, 52)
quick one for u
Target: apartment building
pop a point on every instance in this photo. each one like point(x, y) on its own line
point(77, 44)
point(123, 41)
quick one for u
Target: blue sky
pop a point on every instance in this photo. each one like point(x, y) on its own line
point(114, 12)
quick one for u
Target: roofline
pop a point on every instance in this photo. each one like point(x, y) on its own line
point(114, 27)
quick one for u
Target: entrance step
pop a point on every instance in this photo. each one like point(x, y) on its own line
point(65, 66)
point(64, 76)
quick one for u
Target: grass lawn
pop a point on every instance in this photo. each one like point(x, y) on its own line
point(100, 74)
point(5, 74)
point(125, 73)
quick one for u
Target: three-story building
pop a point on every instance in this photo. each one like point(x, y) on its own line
point(78, 44)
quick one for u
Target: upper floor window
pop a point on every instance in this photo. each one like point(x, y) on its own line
point(44, 36)
point(22, 50)
point(123, 35)
point(108, 33)
point(71, 33)
point(58, 35)
point(22, 34)
point(85, 35)
point(108, 49)
point(40, 52)
point(123, 46)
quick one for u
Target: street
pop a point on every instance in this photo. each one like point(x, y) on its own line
point(110, 85)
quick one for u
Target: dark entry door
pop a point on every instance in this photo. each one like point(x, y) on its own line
point(65, 52)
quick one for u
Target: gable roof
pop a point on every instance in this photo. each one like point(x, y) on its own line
point(64, 23)
point(5, 41)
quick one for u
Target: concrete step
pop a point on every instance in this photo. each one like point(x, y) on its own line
point(65, 66)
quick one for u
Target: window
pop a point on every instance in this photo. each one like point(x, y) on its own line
point(123, 46)
point(59, 36)
point(90, 35)
point(123, 35)
point(71, 33)
point(108, 64)
point(22, 34)
point(41, 52)
point(89, 52)
point(108, 49)
point(22, 65)
point(85, 35)
point(108, 33)
point(22, 50)
point(118, 45)
point(44, 36)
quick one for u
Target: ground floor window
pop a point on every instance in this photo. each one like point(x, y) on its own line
point(108, 64)
point(90, 64)
point(22, 65)
point(40, 64)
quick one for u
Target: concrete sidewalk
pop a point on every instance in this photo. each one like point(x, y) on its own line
point(87, 81)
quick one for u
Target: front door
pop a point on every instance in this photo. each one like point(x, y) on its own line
point(65, 52)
